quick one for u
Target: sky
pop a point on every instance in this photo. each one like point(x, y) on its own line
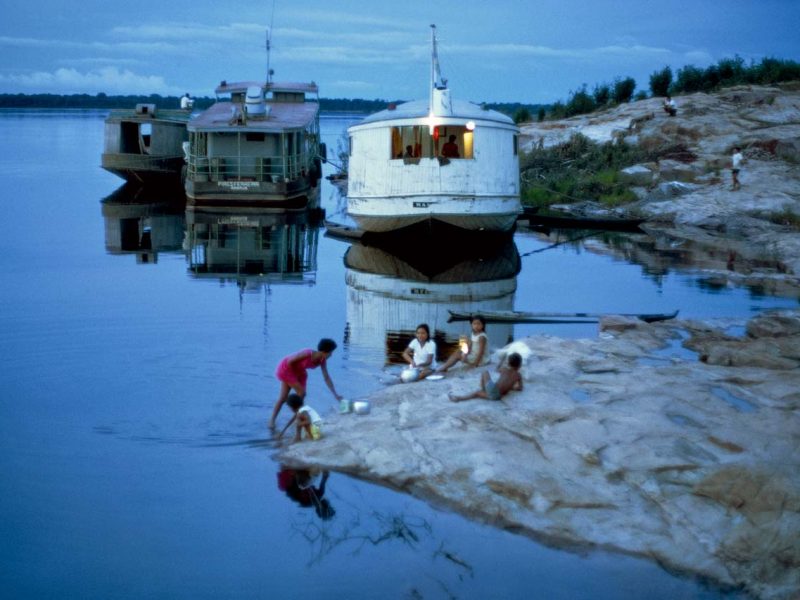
point(535, 51)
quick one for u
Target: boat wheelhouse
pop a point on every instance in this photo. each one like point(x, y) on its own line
point(435, 160)
point(257, 145)
point(145, 145)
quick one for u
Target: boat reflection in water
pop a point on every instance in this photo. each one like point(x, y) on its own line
point(144, 221)
point(252, 248)
point(391, 289)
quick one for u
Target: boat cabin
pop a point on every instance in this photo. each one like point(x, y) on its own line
point(144, 143)
point(255, 133)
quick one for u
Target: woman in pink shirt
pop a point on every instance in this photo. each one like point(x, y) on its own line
point(292, 372)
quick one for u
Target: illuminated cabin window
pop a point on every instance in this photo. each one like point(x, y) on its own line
point(417, 142)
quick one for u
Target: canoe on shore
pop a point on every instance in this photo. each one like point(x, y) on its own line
point(341, 231)
point(511, 316)
point(566, 221)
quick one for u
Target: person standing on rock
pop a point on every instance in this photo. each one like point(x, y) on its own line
point(736, 166)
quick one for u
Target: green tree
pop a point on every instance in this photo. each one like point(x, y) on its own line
point(660, 82)
point(602, 94)
point(623, 89)
point(580, 103)
point(689, 79)
point(522, 115)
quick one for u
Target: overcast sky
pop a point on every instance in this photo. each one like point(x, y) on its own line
point(499, 50)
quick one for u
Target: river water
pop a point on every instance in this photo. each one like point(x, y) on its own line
point(137, 349)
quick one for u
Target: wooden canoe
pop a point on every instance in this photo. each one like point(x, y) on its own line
point(511, 316)
point(566, 221)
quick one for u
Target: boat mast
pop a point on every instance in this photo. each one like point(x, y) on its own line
point(440, 104)
point(270, 72)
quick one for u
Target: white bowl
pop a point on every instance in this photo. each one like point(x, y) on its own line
point(361, 407)
point(409, 375)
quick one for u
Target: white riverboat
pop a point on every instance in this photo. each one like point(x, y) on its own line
point(438, 160)
point(257, 145)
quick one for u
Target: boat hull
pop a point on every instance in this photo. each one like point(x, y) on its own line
point(295, 195)
point(470, 213)
point(144, 169)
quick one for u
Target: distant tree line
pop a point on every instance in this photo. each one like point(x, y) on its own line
point(727, 72)
point(350, 105)
point(689, 79)
point(93, 101)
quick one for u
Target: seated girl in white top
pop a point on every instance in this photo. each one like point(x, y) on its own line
point(477, 351)
point(421, 352)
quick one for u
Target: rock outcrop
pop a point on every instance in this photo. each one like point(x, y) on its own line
point(690, 191)
point(615, 442)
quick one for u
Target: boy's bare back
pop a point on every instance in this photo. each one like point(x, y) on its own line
point(509, 379)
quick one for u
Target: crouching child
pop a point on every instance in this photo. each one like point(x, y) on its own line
point(305, 417)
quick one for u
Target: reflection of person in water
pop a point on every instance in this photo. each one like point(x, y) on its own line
point(299, 486)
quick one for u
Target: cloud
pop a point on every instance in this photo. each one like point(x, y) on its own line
point(515, 51)
point(109, 80)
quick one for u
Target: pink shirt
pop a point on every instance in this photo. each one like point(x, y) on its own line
point(296, 373)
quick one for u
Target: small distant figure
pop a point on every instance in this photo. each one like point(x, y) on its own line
point(450, 149)
point(670, 107)
point(409, 152)
point(307, 419)
point(292, 372)
point(421, 352)
point(736, 166)
point(476, 351)
point(509, 379)
point(187, 103)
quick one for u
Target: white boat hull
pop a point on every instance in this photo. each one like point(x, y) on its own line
point(471, 213)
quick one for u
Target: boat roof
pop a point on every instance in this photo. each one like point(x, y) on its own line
point(164, 115)
point(230, 87)
point(418, 109)
point(283, 115)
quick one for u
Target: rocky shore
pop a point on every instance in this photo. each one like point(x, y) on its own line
point(688, 195)
point(676, 441)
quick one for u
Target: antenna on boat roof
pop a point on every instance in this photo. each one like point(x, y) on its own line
point(270, 72)
point(440, 103)
point(437, 80)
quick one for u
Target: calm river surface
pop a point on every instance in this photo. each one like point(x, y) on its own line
point(135, 385)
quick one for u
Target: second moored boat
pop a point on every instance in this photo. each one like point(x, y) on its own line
point(257, 145)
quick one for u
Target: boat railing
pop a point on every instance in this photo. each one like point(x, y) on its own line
point(249, 168)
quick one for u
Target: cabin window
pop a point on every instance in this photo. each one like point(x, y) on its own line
point(450, 141)
point(516, 145)
point(253, 136)
point(350, 146)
